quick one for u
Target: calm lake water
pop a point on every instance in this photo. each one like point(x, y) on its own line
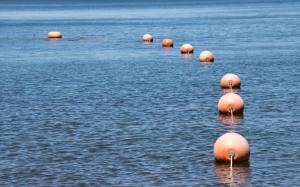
point(100, 108)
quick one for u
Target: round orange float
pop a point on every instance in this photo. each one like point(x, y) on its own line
point(231, 81)
point(186, 49)
point(55, 35)
point(231, 103)
point(206, 56)
point(167, 42)
point(148, 38)
point(231, 146)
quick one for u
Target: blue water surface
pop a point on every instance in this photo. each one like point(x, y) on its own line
point(100, 108)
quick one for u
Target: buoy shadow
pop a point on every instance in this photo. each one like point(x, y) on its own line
point(148, 43)
point(228, 90)
point(238, 175)
point(227, 119)
point(187, 56)
point(54, 39)
point(206, 63)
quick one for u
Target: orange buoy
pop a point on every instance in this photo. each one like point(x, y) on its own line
point(232, 103)
point(148, 38)
point(231, 146)
point(231, 81)
point(55, 35)
point(206, 56)
point(186, 49)
point(167, 42)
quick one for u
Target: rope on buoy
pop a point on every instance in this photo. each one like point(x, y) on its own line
point(231, 155)
point(230, 86)
point(231, 178)
point(231, 113)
